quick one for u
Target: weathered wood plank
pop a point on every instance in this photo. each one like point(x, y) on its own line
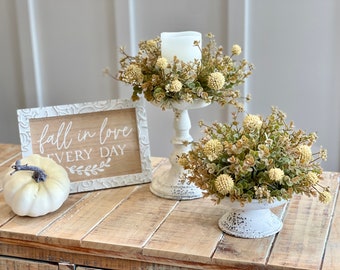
point(89, 212)
point(27, 228)
point(104, 260)
point(76, 223)
point(239, 252)
point(129, 227)
point(9, 152)
point(19, 264)
point(332, 255)
point(301, 242)
point(190, 233)
point(156, 162)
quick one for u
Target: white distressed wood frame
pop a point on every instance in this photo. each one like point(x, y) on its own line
point(24, 116)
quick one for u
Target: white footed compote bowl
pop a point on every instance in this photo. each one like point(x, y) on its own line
point(168, 184)
point(253, 220)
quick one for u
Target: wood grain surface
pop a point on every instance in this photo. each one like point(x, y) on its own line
point(130, 228)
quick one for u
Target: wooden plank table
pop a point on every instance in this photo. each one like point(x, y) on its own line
point(130, 228)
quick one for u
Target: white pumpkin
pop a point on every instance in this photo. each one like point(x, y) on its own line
point(37, 186)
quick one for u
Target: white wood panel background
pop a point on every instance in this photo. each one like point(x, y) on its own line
point(53, 52)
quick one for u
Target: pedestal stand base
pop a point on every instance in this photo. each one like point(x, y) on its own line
point(170, 187)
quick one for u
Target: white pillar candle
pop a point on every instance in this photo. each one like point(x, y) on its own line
point(181, 44)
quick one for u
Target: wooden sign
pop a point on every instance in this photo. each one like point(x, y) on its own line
point(100, 144)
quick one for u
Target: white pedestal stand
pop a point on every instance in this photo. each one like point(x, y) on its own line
point(253, 220)
point(168, 184)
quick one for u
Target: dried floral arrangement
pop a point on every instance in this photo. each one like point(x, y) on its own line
point(212, 79)
point(260, 158)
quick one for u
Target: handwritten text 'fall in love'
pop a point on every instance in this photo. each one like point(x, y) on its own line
point(65, 137)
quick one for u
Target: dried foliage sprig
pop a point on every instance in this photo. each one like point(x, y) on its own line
point(260, 158)
point(213, 78)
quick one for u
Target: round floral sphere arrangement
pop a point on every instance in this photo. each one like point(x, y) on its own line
point(212, 78)
point(259, 158)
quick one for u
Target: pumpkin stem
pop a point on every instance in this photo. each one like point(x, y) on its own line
point(38, 175)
